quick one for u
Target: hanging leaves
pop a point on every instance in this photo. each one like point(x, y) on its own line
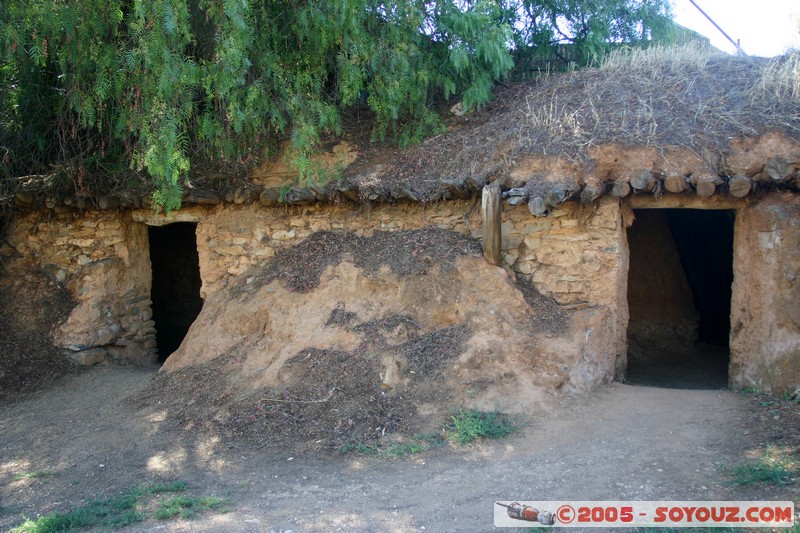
point(154, 84)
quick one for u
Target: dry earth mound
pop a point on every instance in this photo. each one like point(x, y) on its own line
point(346, 340)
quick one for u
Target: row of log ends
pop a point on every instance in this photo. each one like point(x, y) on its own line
point(354, 190)
point(541, 195)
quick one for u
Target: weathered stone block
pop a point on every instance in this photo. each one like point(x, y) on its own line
point(88, 357)
point(283, 235)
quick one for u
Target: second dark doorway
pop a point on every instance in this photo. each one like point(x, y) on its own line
point(176, 284)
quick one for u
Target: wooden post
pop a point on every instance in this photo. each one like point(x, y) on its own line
point(590, 193)
point(491, 211)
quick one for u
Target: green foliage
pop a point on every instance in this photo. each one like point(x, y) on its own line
point(464, 427)
point(469, 426)
point(98, 86)
point(187, 506)
point(124, 510)
point(579, 32)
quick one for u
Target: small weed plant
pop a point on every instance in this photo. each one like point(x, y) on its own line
point(463, 428)
point(469, 426)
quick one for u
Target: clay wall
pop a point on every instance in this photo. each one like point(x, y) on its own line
point(765, 307)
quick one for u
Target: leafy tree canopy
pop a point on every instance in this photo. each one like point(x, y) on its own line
point(144, 88)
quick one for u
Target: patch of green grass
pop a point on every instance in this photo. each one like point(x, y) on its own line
point(469, 426)
point(420, 442)
point(359, 448)
point(123, 510)
point(464, 427)
point(775, 466)
point(114, 512)
point(793, 397)
point(750, 390)
point(402, 449)
point(160, 488)
point(187, 506)
point(35, 475)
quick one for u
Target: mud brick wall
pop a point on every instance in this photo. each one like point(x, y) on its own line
point(573, 255)
point(232, 239)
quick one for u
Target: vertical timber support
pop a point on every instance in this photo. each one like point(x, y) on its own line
point(491, 211)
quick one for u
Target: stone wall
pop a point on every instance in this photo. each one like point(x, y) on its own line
point(573, 255)
point(576, 255)
point(103, 259)
point(765, 307)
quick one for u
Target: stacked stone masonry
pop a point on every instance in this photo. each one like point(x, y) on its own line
point(578, 255)
point(103, 259)
point(572, 255)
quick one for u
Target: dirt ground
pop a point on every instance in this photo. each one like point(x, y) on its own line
point(622, 442)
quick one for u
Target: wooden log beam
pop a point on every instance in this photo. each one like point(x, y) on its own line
point(590, 193)
point(739, 186)
point(517, 200)
point(244, 195)
point(517, 195)
point(24, 198)
point(555, 197)
point(491, 211)
point(643, 180)
point(778, 169)
point(675, 183)
point(200, 197)
point(705, 184)
point(108, 202)
point(270, 196)
point(517, 192)
point(456, 187)
point(621, 188)
point(537, 206)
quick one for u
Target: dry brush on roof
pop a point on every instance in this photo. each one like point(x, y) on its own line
point(692, 98)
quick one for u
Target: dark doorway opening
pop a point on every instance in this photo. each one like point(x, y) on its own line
point(176, 284)
point(679, 297)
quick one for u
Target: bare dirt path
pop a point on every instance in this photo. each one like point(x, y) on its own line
point(623, 442)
